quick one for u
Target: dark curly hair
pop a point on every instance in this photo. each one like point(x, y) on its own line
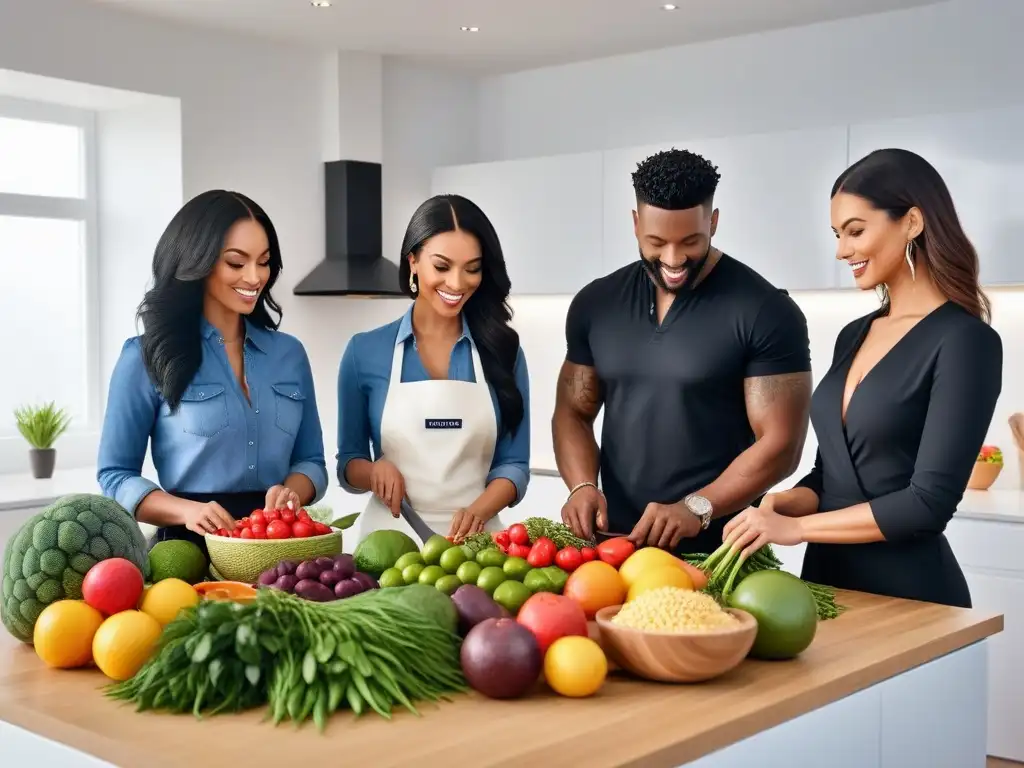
point(675, 180)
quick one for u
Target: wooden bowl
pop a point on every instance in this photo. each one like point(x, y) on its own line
point(983, 475)
point(677, 657)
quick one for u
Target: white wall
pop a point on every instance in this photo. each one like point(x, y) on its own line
point(962, 54)
point(261, 118)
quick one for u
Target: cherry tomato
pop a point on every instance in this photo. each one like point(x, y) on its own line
point(302, 514)
point(519, 550)
point(223, 532)
point(287, 515)
point(569, 559)
point(542, 553)
point(259, 531)
point(257, 518)
point(588, 554)
point(269, 515)
point(517, 534)
point(279, 529)
point(236, 533)
point(301, 529)
point(615, 551)
point(246, 534)
point(321, 528)
point(502, 539)
point(245, 522)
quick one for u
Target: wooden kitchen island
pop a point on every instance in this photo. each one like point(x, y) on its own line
point(889, 684)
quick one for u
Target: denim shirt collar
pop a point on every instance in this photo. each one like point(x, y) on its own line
point(405, 328)
point(258, 337)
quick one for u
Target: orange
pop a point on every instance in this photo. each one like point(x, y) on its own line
point(166, 598)
point(124, 642)
point(665, 576)
point(575, 666)
point(595, 585)
point(64, 632)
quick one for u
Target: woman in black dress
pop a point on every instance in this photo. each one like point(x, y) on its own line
point(904, 409)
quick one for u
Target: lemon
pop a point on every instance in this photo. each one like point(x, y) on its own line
point(124, 642)
point(665, 576)
point(63, 633)
point(575, 666)
point(164, 599)
point(643, 561)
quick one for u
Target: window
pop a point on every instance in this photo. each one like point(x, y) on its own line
point(48, 307)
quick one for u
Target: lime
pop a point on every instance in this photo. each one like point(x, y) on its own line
point(431, 574)
point(511, 595)
point(411, 573)
point(470, 552)
point(489, 579)
point(469, 572)
point(452, 558)
point(409, 558)
point(392, 577)
point(433, 548)
point(491, 556)
point(516, 568)
point(448, 584)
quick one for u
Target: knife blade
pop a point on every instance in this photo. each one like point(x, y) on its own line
point(412, 517)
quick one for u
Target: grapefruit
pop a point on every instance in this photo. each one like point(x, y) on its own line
point(550, 617)
point(64, 632)
point(124, 642)
point(595, 585)
point(112, 586)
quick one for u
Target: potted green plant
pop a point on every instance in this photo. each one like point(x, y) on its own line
point(41, 426)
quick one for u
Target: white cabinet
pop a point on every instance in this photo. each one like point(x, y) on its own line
point(773, 201)
point(547, 212)
point(980, 156)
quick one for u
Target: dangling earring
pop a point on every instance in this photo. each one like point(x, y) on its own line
point(909, 256)
point(412, 283)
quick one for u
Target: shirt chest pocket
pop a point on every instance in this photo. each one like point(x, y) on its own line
point(204, 410)
point(289, 402)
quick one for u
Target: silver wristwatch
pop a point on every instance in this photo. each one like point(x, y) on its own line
point(701, 509)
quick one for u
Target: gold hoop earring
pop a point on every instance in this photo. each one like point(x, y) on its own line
point(909, 256)
point(413, 288)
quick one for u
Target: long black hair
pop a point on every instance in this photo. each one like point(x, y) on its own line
point(171, 312)
point(896, 180)
point(487, 311)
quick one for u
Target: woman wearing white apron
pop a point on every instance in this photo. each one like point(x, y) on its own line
point(434, 407)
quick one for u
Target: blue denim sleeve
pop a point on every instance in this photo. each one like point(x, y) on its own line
point(132, 406)
point(512, 452)
point(353, 415)
point(308, 450)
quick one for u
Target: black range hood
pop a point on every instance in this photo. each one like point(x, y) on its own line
point(355, 264)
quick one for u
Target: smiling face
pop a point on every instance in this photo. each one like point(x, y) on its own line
point(672, 243)
point(243, 269)
point(448, 270)
point(870, 241)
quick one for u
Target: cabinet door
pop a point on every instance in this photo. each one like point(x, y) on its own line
point(773, 201)
point(980, 156)
point(547, 212)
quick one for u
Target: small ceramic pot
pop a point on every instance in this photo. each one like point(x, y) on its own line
point(983, 475)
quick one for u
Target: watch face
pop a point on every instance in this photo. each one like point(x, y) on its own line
point(699, 505)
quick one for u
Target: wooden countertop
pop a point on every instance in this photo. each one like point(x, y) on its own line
point(629, 723)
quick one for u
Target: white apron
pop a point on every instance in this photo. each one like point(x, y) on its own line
point(440, 434)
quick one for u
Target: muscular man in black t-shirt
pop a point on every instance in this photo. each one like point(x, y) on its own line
point(702, 368)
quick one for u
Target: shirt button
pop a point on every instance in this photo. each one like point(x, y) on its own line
point(250, 442)
point(257, 410)
point(252, 466)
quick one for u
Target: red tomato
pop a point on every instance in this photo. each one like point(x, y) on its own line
point(502, 539)
point(279, 529)
point(301, 529)
point(246, 534)
point(518, 534)
point(287, 515)
point(615, 551)
point(259, 531)
point(568, 559)
point(236, 533)
point(271, 514)
point(519, 550)
point(542, 553)
point(588, 554)
point(302, 514)
point(321, 528)
point(257, 518)
point(223, 532)
point(245, 522)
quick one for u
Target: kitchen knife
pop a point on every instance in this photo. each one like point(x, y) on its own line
point(415, 522)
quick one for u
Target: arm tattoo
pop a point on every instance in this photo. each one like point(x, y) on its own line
point(580, 389)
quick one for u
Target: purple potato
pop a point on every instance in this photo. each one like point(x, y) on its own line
point(345, 565)
point(366, 580)
point(347, 588)
point(286, 567)
point(286, 583)
point(324, 563)
point(308, 569)
point(330, 578)
point(268, 577)
point(313, 590)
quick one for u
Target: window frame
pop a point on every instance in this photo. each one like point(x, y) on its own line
point(85, 210)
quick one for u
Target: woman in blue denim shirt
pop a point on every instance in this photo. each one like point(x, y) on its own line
point(225, 399)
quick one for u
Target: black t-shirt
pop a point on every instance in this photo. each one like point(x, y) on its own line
point(674, 410)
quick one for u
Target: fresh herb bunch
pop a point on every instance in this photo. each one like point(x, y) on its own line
point(480, 541)
point(42, 425)
point(559, 533)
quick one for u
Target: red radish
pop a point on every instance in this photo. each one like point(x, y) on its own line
point(112, 586)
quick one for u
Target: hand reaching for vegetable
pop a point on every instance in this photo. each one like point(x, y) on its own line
point(465, 522)
point(282, 497)
point(583, 509)
point(388, 485)
point(208, 518)
point(754, 527)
